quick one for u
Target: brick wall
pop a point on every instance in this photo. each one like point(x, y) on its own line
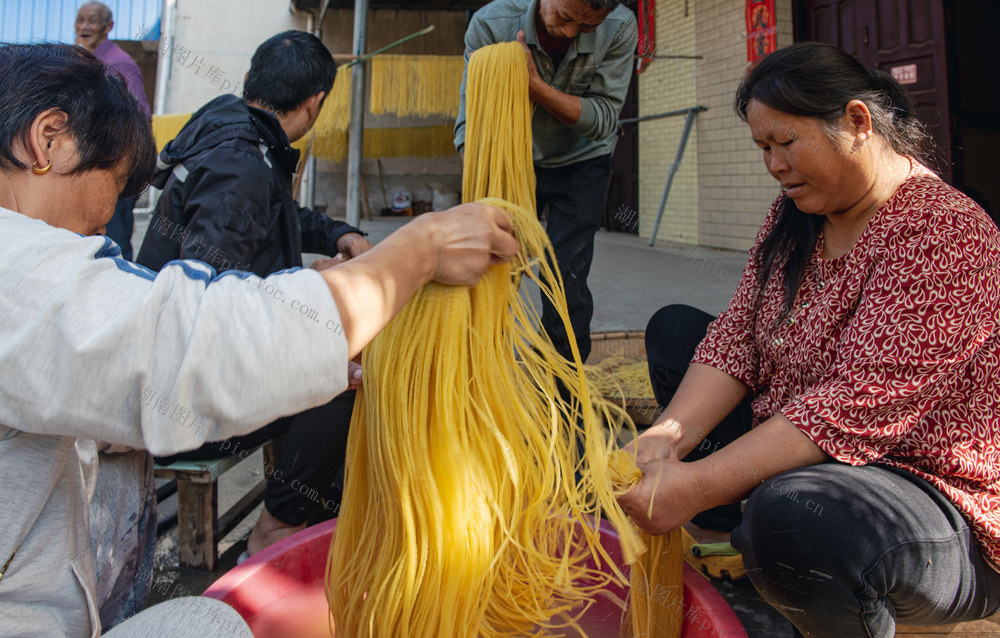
point(667, 85)
point(734, 188)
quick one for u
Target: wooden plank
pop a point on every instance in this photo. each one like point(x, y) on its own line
point(986, 628)
point(199, 525)
point(201, 471)
point(197, 504)
point(166, 490)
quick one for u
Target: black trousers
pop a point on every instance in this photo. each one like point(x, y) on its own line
point(838, 550)
point(575, 196)
point(672, 335)
point(309, 453)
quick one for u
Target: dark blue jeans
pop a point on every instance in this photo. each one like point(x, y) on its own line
point(576, 197)
point(840, 551)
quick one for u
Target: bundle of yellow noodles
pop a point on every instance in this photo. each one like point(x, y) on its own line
point(656, 592)
point(464, 512)
point(416, 85)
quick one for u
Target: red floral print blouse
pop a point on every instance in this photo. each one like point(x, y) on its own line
point(891, 352)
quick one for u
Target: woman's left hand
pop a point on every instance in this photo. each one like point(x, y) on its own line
point(666, 497)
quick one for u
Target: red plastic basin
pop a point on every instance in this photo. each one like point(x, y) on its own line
point(279, 592)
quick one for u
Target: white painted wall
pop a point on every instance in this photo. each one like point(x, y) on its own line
point(213, 43)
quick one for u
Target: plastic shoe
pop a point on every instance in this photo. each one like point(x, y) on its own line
point(715, 560)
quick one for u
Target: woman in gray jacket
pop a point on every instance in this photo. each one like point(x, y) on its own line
point(88, 338)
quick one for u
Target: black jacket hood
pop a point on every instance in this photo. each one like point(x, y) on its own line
point(225, 118)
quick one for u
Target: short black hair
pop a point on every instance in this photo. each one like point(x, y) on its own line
point(287, 69)
point(103, 117)
point(603, 5)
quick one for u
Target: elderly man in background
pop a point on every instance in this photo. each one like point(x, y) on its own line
point(93, 23)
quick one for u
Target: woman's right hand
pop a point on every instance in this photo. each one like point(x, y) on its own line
point(451, 247)
point(467, 239)
point(657, 442)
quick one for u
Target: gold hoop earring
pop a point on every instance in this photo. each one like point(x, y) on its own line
point(41, 171)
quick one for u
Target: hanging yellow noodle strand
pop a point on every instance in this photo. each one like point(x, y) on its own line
point(462, 509)
point(468, 509)
point(503, 170)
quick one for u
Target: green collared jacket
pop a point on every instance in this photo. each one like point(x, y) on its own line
point(597, 68)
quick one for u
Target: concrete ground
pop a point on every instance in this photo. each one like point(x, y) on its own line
point(630, 281)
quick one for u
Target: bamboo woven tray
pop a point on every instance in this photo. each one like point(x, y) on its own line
point(632, 345)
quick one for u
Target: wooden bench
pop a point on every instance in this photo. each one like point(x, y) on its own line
point(987, 628)
point(200, 526)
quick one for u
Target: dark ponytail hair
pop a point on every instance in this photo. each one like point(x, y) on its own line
point(818, 80)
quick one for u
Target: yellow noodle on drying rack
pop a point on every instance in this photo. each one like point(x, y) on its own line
point(336, 112)
point(328, 138)
point(404, 85)
point(416, 85)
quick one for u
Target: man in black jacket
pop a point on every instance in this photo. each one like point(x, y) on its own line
point(227, 200)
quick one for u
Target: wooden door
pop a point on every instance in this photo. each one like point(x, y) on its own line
point(902, 37)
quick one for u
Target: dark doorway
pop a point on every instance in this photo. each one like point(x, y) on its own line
point(623, 190)
point(973, 51)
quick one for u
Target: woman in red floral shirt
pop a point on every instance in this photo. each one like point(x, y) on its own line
point(851, 391)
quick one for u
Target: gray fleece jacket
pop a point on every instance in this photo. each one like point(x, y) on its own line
point(96, 349)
